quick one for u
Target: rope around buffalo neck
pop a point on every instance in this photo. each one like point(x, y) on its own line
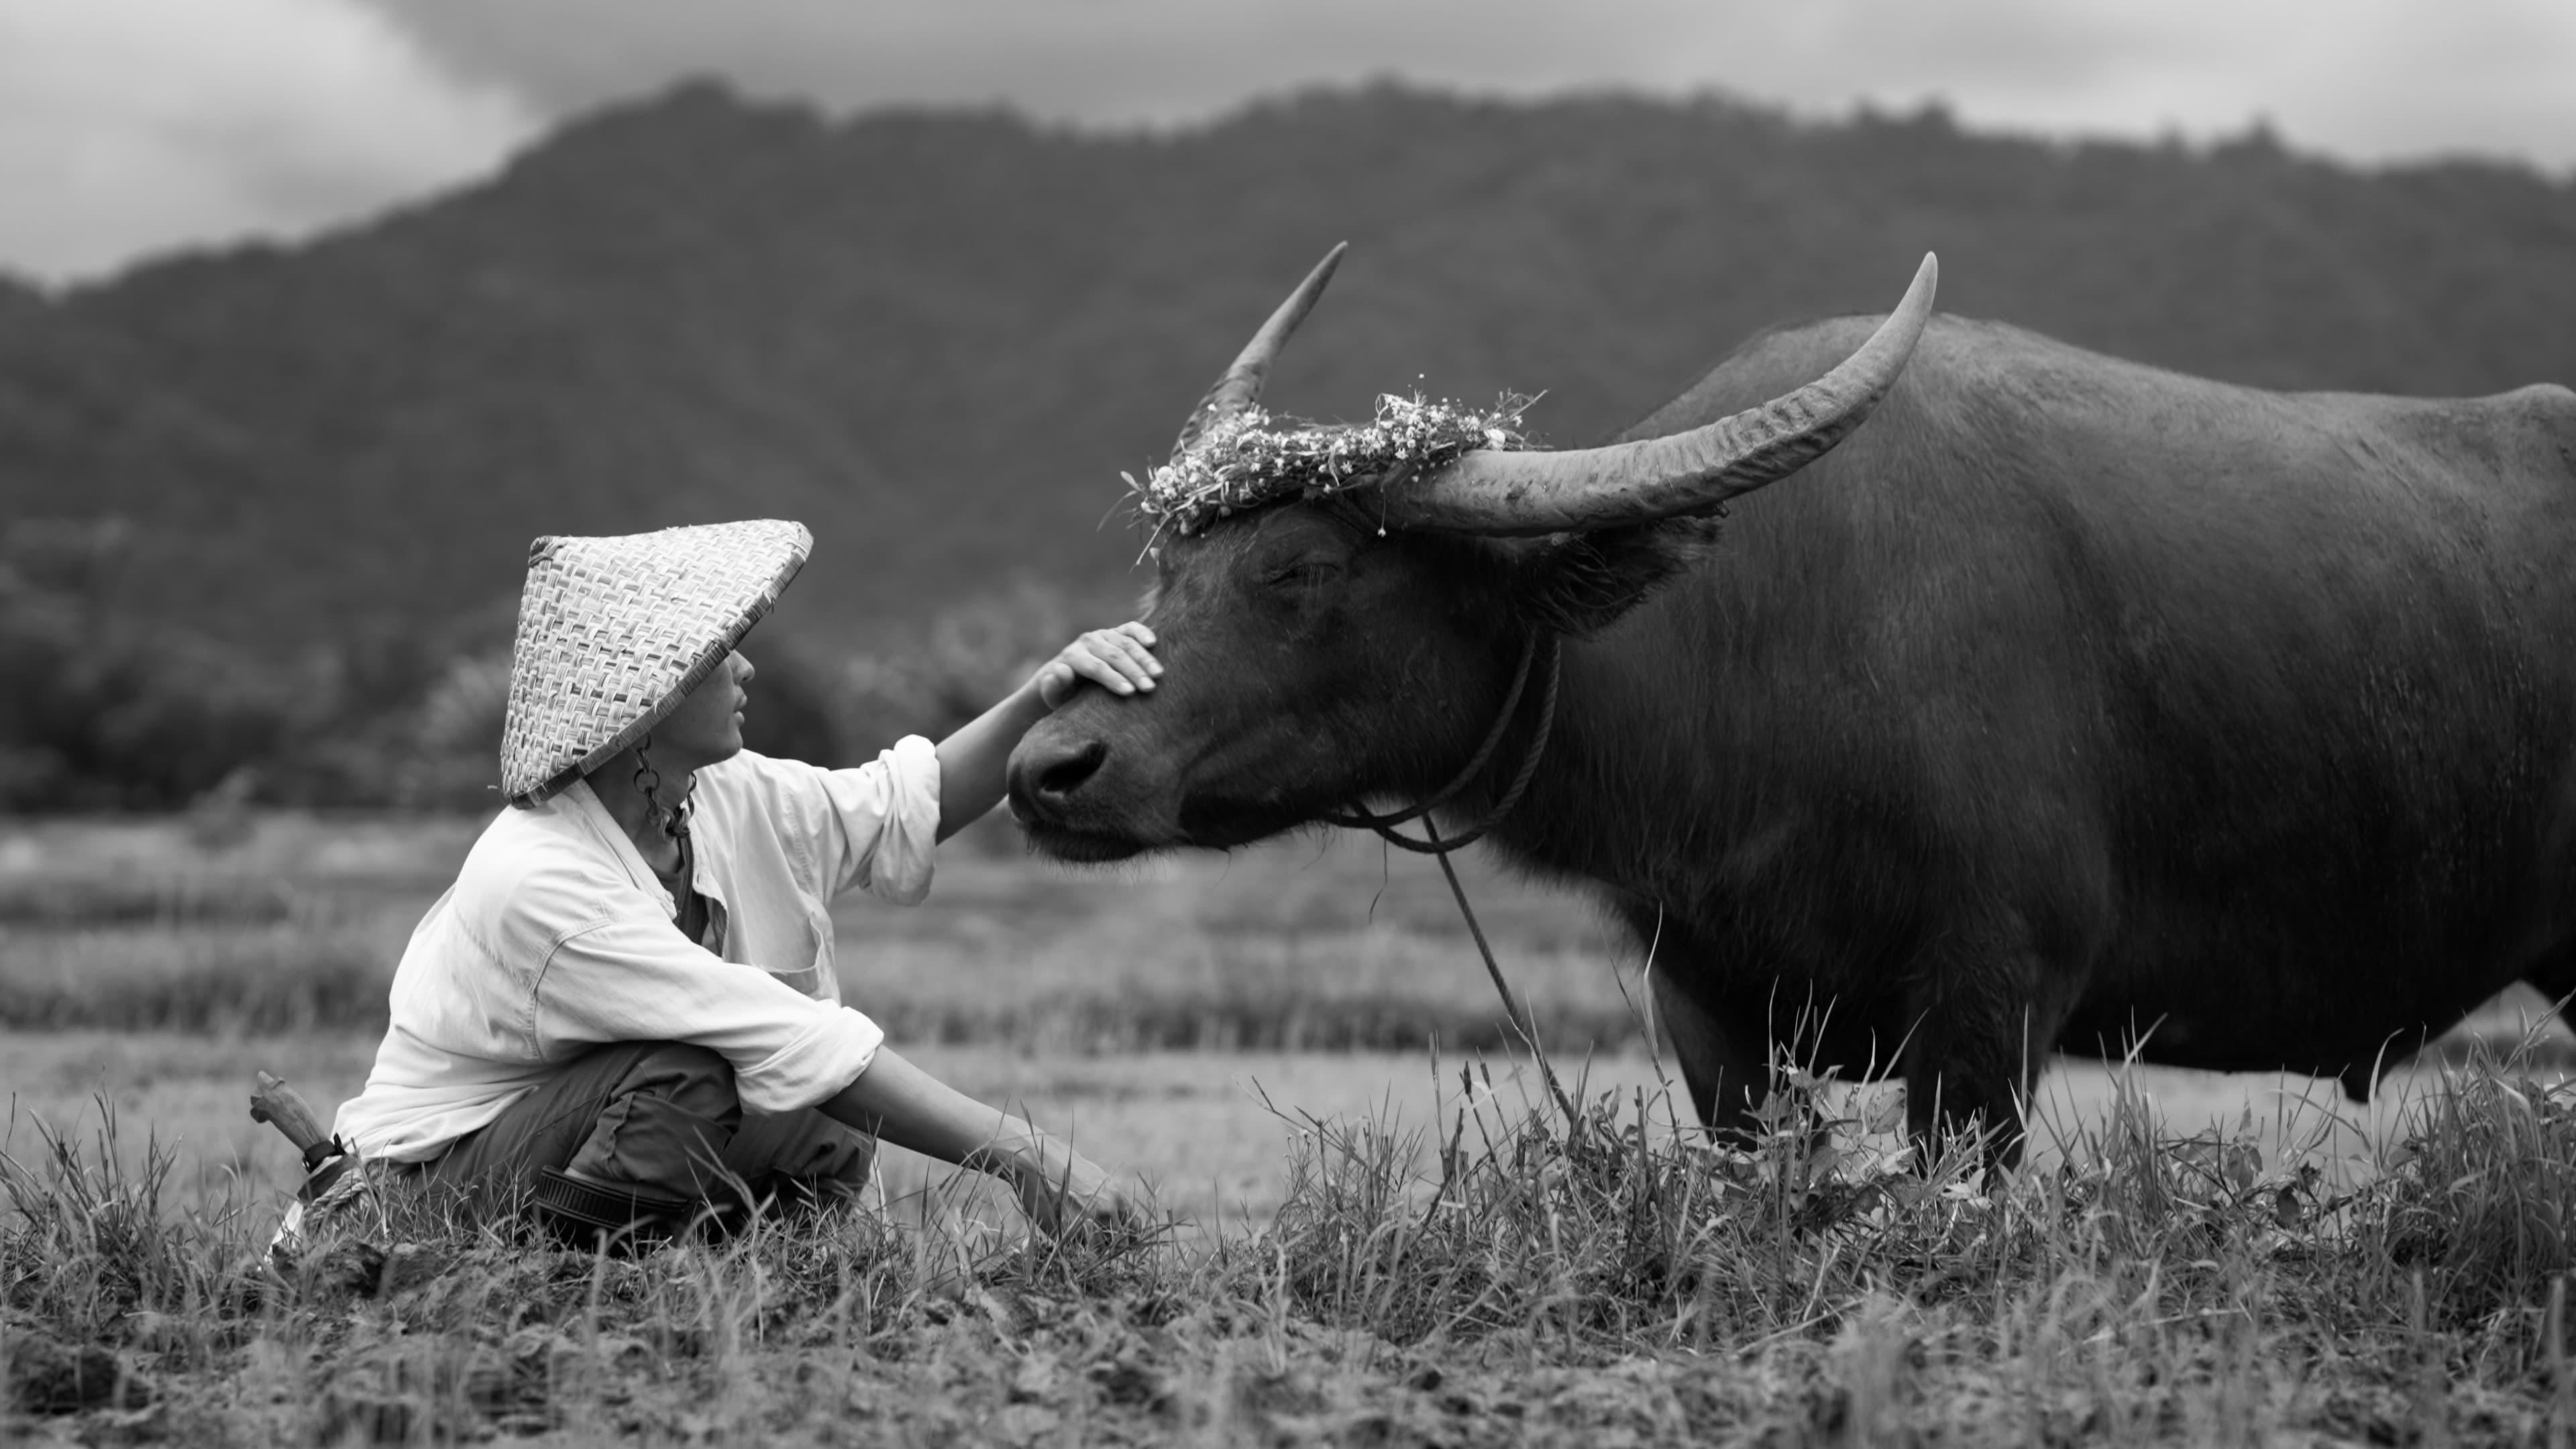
point(1357, 818)
point(1433, 844)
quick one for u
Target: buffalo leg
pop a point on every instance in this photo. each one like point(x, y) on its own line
point(1955, 1085)
point(1731, 1039)
point(1981, 1032)
point(1725, 1067)
point(1714, 1012)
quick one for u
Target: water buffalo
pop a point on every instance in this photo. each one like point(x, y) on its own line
point(2069, 704)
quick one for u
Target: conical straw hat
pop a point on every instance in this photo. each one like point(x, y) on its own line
point(613, 631)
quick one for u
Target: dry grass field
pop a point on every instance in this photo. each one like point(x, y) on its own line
point(1380, 1232)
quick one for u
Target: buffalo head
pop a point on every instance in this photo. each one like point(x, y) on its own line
point(1319, 651)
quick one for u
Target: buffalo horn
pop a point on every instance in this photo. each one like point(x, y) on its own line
point(1240, 387)
point(1524, 493)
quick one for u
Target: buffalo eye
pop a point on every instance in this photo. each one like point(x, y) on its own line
point(1304, 574)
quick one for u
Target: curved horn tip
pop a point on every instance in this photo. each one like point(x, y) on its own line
point(1239, 386)
point(1927, 278)
point(1894, 340)
point(1524, 494)
point(1324, 269)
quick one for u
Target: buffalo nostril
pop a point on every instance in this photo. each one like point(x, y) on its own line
point(1065, 775)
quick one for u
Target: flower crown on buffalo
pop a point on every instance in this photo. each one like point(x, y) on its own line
point(1438, 465)
point(1249, 458)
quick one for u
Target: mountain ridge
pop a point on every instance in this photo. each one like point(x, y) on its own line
point(939, 336)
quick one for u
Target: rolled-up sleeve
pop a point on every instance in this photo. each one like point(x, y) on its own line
point(628, 979)
point(887, 812)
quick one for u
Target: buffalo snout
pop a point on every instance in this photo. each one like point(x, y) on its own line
point(1046, 773)
point(1092, 782)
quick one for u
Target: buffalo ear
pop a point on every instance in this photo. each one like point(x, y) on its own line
point(1581, 583)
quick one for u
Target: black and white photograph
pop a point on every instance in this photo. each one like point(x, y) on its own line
point(1287, 722)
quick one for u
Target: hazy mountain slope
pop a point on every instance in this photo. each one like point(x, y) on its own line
point(937, 338)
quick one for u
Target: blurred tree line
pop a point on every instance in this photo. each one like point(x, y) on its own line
point(103, 712)
point(100, 711)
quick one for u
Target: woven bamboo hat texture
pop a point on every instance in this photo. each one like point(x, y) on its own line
point(613, 631)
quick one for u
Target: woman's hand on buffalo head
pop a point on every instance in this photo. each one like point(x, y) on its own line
point(1119, 660)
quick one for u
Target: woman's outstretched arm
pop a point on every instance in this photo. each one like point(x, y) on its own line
point(900, 1103)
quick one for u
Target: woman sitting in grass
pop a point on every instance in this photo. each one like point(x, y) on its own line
point(625, 1010)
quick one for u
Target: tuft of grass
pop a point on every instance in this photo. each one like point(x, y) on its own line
point(95, 1255)
point(1505, 1274)
point(2147, 1287)
point(2477, 1218)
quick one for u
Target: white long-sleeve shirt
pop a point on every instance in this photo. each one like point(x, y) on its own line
point(557, 937)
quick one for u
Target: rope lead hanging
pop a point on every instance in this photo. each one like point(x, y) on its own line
point(1433, 844)
point(1512, 1008)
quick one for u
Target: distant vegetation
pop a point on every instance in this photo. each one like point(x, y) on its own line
point(1298, 947)
point(298, 483)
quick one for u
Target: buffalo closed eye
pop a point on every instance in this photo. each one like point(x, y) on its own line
point(1306, 574)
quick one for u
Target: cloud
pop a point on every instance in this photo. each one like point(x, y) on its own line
point(2363, 79)
point(132, 125)
point(2367, 80)
point(129, 126)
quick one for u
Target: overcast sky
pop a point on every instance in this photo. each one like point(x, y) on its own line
point(129, 127)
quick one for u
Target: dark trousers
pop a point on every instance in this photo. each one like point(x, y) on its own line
point(661, 1117)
